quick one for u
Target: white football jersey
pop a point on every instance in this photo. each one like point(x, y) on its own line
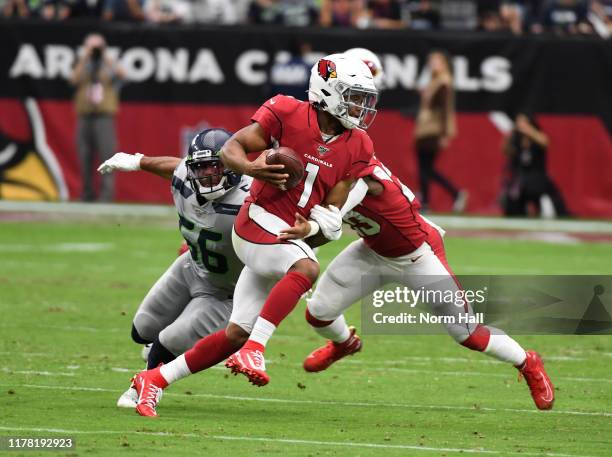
point(207, 229)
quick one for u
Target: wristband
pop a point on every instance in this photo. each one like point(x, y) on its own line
point(140, 156)
point(314, 229)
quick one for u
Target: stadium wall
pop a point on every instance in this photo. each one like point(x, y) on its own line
point(183, 79)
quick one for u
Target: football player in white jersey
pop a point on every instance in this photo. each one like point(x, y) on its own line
point(193, 298)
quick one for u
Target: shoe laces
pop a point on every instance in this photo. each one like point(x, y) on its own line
point(257, 359)
point(151, 396)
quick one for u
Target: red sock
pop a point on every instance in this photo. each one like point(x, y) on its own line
point(209, 351)
point(284, 296)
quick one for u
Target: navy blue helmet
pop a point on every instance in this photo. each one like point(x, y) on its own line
point(205, 171)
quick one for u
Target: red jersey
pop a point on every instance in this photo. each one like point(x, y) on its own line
point(389, 223)
point(293, 123)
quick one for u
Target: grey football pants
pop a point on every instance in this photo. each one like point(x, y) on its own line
point(182, 308)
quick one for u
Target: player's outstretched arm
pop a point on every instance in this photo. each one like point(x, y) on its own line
point(251, 138)
point(163, 166)
point(339, 193)
point(357, 193)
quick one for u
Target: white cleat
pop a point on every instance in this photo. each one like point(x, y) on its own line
point(129, 398)
point(145, 351)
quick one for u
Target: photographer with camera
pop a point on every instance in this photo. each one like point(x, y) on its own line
point(97, 80)
point(527, 184)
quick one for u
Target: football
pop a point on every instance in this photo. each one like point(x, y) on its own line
point(292, 162)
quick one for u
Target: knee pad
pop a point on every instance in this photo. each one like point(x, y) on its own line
point(314, 321)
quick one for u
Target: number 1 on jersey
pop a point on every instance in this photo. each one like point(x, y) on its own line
point(313, 171)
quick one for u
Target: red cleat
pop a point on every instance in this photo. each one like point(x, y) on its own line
point(149, 385)
point(251, 363)
point(320, 359)
point(542, 390)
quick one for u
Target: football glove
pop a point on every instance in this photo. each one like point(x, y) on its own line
point(329, 220)
point(122, 162)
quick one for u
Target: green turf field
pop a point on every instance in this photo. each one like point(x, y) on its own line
point(68, 291)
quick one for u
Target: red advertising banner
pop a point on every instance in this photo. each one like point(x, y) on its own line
point(38, 159)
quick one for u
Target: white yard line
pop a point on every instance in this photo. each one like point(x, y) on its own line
point(366, 366)
point(68, 328)
point(346, 444)
point(500, 223)
point(88, 209)
point(58, 247)
point(326, 402)
point(26, 354)
point(487, 361)
point(447, 222)
point(39, 373)
point(474, 373)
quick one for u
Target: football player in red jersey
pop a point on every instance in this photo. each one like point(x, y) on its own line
point(328, 132)
point(399, 245)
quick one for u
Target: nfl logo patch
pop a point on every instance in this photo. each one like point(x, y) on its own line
point(322, 149)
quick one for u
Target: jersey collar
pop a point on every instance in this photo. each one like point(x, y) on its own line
point(313, 124)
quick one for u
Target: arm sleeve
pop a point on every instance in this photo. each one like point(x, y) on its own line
point(357, 193)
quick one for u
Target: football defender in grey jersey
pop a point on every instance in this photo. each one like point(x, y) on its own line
point(193, 298)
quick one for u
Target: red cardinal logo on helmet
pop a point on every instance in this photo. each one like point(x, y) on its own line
point(327, 69)
point(372, 67)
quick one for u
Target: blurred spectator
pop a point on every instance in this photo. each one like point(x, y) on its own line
point(167, 11)
point(341, 13)
point(290, 74)
point(435, 127)
point(382, 14)
point(54, 9)
point(20, 8)
point(423, 14)
point(70, 9)
point(96, 78)
point(566, 17)
point(489, 19)
point(459, 14)
point(225, 12)
point(501, 15)
point(527, 183)
point(600, 16)
point(292, 13)
point(123, 10)
point(531, 14)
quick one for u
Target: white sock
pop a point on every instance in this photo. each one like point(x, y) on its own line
point(337, 331)
point(262, 331)
point(175, 370)
point(504, 348)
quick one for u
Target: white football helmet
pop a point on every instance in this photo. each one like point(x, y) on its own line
point(344, 87)
point(373, 63)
